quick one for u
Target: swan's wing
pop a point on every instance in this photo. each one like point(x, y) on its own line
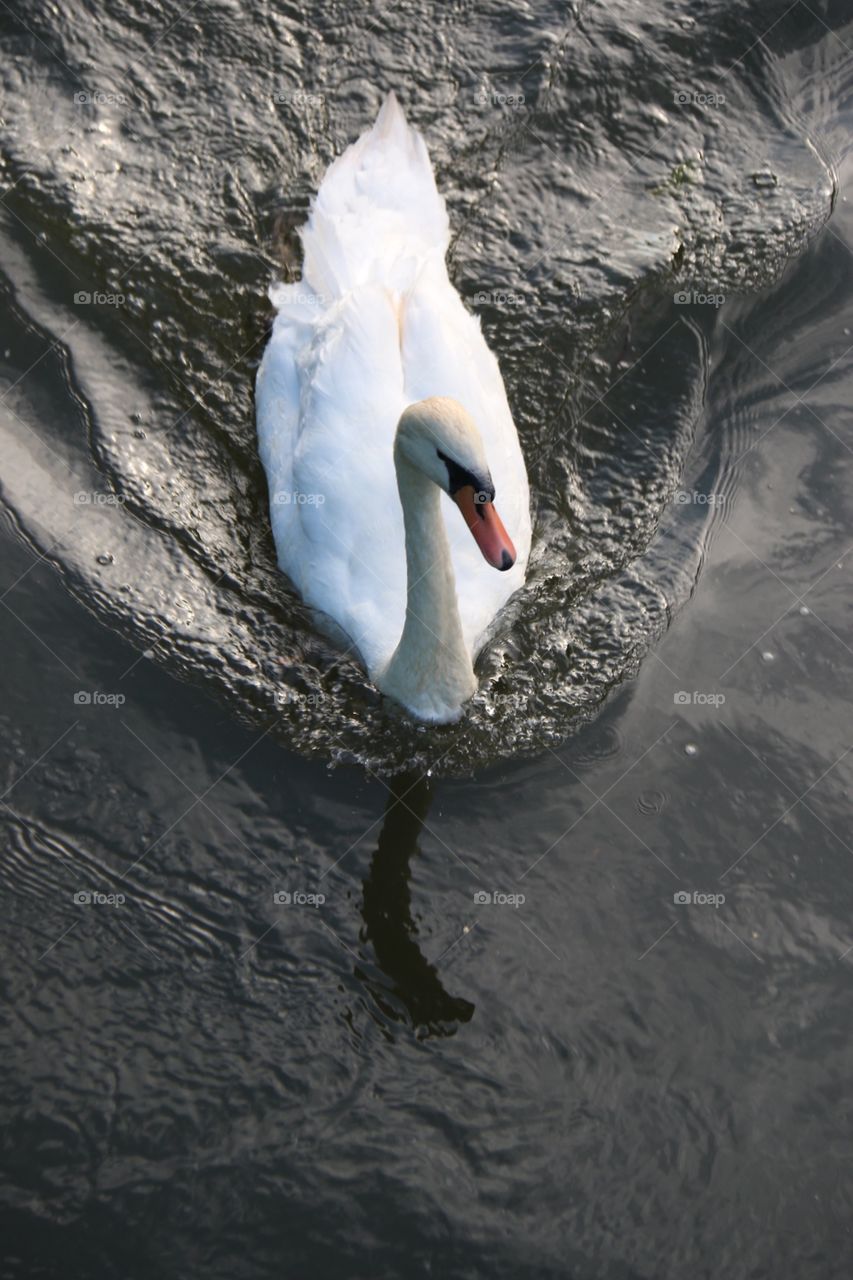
point(340, 535)
point(445, 354)
point(277, 397)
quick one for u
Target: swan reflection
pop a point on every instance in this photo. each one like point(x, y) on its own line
point(388, 923)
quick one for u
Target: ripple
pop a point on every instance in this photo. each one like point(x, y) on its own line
point(649, 802)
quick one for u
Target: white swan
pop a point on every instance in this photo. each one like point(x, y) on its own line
point(377, 401)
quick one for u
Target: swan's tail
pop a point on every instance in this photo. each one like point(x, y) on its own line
point(377, 216)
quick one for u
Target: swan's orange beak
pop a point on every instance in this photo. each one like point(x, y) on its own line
point(486, 526)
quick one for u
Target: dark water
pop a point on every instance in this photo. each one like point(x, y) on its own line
point(401, 1080)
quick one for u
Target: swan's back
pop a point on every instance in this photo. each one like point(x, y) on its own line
point(378, 213)
point(373, 325)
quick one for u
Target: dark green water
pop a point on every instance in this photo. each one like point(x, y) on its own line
point(401, 1080)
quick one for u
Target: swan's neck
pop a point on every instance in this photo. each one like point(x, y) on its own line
point(431, 671)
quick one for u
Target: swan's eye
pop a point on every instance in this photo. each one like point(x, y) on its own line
point(460, 477)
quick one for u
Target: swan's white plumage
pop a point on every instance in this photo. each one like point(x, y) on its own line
point(374, 325)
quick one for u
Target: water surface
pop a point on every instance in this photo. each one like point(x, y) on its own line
point(601, 1080)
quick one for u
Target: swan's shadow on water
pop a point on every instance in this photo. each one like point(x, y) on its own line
point(388, 924)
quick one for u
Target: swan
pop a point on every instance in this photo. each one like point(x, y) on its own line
point(379, 408)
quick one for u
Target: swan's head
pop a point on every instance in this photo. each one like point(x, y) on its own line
point(440, 438)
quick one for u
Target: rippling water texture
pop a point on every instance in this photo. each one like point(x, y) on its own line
point(597, 161)
point(639, 1072)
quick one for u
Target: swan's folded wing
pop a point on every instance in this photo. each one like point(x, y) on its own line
point(278, 390)
point(340, 536)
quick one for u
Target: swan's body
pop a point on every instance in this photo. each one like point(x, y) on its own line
point(373, 329)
